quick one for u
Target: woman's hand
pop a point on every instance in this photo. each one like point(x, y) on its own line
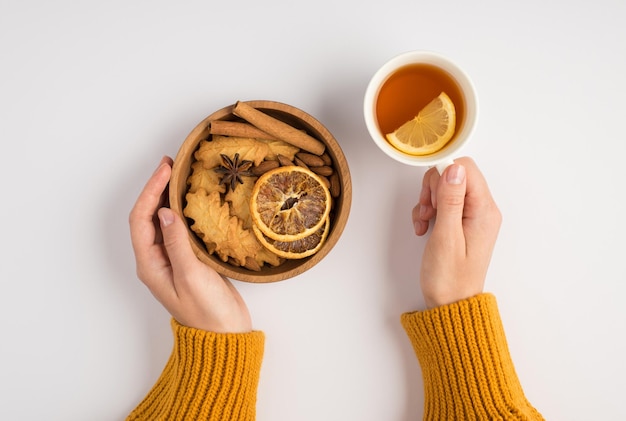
point(466, 224)
point(193, 293)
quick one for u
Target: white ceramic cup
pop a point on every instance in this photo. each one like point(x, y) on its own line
point(440, 159)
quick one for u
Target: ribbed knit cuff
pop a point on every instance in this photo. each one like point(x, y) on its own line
point(209, 376)
point(467, 369)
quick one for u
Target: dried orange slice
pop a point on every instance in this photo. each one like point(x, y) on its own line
point(429, 131)
point(297, 249)
point(289, 203)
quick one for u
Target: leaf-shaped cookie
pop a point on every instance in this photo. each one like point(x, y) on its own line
point(278, 147)
point(222, 233)
point(248, 149)
point(264, 255)
point(210, 216)
point(202, 178)
point(240, 200)
point(240, 243)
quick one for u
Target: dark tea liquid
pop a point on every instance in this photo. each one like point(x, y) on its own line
point(409, 89)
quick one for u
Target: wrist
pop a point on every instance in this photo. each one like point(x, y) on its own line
point(439, 299)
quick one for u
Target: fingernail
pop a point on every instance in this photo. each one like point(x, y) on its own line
point(162, 162)
point(416, 227)
point(158, 168)
point(166, 216)
point(456, 174)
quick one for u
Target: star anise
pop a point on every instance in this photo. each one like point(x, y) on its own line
point(232, 170)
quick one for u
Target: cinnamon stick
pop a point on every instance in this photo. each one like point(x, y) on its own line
point(278, 129)
point(238, 129)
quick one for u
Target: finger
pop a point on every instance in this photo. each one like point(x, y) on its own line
point(141, 219)
point(477, 195)
point(426, 195)
point(433, 183)
point(427, 199)
point(421, 216)
point(423, 212)
point(420, 226)
point(450, 194)
point(165, 199)
point(424, 198)
point(176, 242)
point(481, 216)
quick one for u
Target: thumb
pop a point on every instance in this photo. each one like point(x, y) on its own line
point(451, 199)
point(175, 239)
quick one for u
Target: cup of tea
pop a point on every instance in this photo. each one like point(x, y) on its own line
point(403, 86)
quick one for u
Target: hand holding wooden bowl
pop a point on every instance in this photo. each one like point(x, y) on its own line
point(248, 153)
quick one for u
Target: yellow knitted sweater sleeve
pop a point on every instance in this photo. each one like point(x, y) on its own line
point(466, 366)
point(209, 376)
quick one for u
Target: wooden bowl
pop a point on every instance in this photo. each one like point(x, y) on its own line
point(341, 207)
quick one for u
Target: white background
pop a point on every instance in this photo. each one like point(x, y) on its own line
point(92, 94)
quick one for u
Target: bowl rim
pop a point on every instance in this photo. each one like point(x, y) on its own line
point(342, 205)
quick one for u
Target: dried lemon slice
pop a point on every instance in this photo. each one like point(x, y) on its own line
point(289, 203)
point(429, 131)
point(297, 249)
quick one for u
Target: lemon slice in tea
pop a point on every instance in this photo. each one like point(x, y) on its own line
point(429, 131)
point(289, 203)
